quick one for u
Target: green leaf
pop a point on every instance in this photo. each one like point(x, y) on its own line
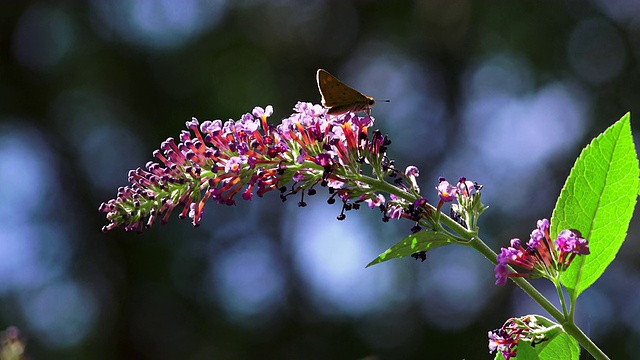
point(562, 346)
point(527, 352)
point(421, 241)
point(598, 199)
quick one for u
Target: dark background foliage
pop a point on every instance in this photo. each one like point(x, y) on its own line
point(505, 93)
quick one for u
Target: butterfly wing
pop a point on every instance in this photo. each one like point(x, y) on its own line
point(339, 97)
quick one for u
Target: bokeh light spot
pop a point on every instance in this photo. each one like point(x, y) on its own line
point(595, 51)
point(247, 279)
point(62, 313)
point(158, 24)
point(331, 255)
point(42, 36)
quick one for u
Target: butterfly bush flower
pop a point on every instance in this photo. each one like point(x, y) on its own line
point(527, 328)
point(541, 257)
point(467, 195)
point(216, 161)
point(446, 191)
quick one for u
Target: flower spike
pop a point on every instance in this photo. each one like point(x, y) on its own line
point(216, 161)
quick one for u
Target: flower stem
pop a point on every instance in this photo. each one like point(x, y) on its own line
point(475, 242)
point(556, 283)
point(568, 326)
point(573, 330)
point(381, 185)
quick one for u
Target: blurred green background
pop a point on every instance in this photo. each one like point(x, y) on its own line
point(504, 93)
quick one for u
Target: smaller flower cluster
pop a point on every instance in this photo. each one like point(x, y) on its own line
point(467, 193)
point(528, 328)
point(541, 257)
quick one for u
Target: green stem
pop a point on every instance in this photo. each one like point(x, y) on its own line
point(380, 185)
point(384, 186)
point(475, 242)
point(563, 301)
point(479, 245)
point(568, 326)
point(597, 353)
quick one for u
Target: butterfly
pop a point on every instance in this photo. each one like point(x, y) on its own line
point(339, 97)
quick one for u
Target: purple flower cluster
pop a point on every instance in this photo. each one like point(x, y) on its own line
point(448, 192)
point(506, 338)
point(218, 160)
point(541, 258)
point(468, 207)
